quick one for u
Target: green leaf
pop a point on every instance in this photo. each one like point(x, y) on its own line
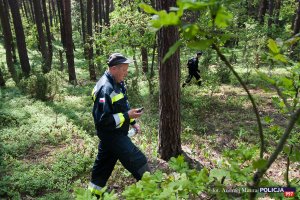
point(218, 173)
point(280, 57)
point(223, 18)
point(259, 164)
point(172, 50)
point(147, 8)
point(273, 46)
point(200, 44)
point(266, 78)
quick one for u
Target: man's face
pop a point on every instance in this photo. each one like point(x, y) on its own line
point(120, 72)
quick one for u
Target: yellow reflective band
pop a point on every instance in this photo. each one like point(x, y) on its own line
point(94, 190)
point(122, 119)
point(93, 94)
point(131, 120)
point(116, 97)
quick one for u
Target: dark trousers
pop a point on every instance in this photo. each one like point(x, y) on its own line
point(191, 75)
point(111, 149)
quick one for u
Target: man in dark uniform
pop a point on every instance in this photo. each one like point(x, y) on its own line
point(193, 70)
point(112, 118)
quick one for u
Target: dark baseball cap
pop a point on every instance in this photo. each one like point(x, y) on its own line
point(116, 59)
point(199, 53)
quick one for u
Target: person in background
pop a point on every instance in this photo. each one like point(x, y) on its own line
point(113, 117)
point(193, 69)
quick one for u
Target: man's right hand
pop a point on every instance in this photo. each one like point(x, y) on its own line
point(133, 113)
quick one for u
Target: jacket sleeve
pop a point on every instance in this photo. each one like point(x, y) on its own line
point(104, 117)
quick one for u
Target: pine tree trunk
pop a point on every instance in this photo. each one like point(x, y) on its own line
point(69, 41)
point(48, 34)
point(2, 81)
point(277, 12)
point(21, 42)
point(106, 19)
point(90, 39)
point(96, 23)
point(31, 10)
point(61, 9)
point(144, 53)
point(25, 10)
point(271, 13)
point(262, 11)
point(169, 90)
point(101, 14)
point(41, 35)
point(8, 40)
point(82, 13)
point(297, 21)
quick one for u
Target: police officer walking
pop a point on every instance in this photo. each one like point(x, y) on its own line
point(112, 117)
point(193, 69)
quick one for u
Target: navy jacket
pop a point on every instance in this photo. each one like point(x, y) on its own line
point(110, 107)
point(193, 64)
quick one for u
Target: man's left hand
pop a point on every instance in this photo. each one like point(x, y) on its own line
point(137, 128)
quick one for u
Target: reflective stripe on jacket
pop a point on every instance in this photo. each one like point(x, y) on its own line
point(110, 106)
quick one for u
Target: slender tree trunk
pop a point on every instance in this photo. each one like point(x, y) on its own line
point(31, 10)
point(271, 13)
point(90, 39)
point(60, 8)
point(297, 20)
point(106, 19)
point(25, 10)
point(262, 10)
point(50, 13)
point(54, 11)
point(277, 12)
point(169, 90)
point(2, 81)
point(96, 23)
point(82, 13)
point(69, 41)
point(8, 40)
point(41, 35)
point(101, 14)
point(21, 42)
point(48, 34)
point(144, 53)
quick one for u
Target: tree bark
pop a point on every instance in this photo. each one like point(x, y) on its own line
point(61, 10)
point(144, 53)
point(277, 12)
point(48, 34)
point(2, 81)
point(31, 10)
point(69, 41)
point(41, 35)
point(90, 39)
point(106, 18)
point(96, 24)
point(82, 13)
point(297, 20)
point(21, 42)
point(262, 11)
point(271, 13)
point(8, 40)
point(169, 90)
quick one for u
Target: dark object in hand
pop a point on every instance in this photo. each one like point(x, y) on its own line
point(140, 109)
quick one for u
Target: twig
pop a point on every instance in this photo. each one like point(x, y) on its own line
point(259, 173)
point(288, 166)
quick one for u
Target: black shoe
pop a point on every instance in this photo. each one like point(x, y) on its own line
point(183, 85)
point(199, 83)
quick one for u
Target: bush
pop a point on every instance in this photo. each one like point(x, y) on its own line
point(42, 86)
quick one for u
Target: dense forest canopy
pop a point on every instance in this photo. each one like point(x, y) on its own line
point(237, 132)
